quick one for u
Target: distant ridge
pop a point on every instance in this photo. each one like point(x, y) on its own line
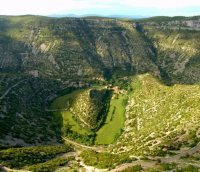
point(95, 15)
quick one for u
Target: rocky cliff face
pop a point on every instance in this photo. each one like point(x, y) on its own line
point(40, 56)
point(71, 48)
point(177, 48)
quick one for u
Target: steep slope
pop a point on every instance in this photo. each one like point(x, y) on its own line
point(40, 57)
point(23, 119)
point(177, 46)
point(159, 118)
point(90, 107)
point(46, 55)
point(71, 47)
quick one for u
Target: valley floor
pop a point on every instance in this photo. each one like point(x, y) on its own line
point(154, 130)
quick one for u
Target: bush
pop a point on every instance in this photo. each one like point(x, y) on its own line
point(104, 160)
point(133, 169)
point(19, 157)
point(48, 166)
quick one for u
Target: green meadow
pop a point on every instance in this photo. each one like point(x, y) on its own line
point(114, 123)
point(110, 130)
point(65, 117)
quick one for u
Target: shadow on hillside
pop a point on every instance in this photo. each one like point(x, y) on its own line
point(12, 61)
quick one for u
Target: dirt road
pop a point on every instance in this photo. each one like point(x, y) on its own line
point(95, 148)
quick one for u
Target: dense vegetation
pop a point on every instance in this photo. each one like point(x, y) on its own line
point(43, 60)
point(46, 55)
point(25, 156)
point(48, 166)
point(69, 125)
point(103, 160)
point(133, 169)
point(74, 128)
point(90, 107)
point(22, 110)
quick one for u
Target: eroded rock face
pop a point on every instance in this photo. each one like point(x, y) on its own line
point(73, 48)
point(90, 107)
point(177, 48)
point(70, 49)
point(45, 55)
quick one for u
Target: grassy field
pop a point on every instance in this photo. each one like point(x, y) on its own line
point(66, 116)
point(114, 121)
point(61, 102)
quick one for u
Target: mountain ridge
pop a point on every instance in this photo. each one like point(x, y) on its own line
point(151, 67)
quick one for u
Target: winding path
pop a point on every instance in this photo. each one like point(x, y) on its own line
point(94, 148)
point(152, 163)
point(144, 164)
point(9, 89)
point(56, 110)
point(182, 154)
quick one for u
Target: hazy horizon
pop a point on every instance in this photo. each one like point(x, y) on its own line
point(143, 8)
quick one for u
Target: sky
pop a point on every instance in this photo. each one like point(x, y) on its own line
point(101, 7)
